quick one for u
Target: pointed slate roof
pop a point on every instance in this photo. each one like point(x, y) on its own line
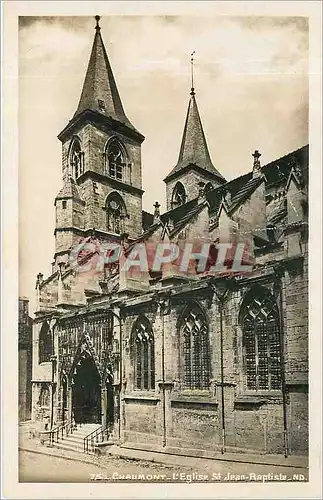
point(69, 190)
point(100, 93)
point(194, 150)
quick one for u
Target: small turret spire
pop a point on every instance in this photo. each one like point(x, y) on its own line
point(194, 150)
point(256, 163)
point(156, 212)
point(192, 73)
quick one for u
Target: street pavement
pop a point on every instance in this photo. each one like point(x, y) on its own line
point(36, 467)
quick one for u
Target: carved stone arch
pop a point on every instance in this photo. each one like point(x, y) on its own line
point(116, 212)
point(115, 138)
point(116, 158)
point(75, 157)
point(191, 304)
point(179, 196)
point(259, 320)
point(85, 350)
point(253, 291)
point(194, 347)
point(142, 353)
point(45, 343)
point(85, 377)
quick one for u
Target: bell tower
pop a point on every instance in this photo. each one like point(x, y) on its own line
point(101, 161)
point(194, 165)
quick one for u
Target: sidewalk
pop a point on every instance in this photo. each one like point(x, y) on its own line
point(170, 459)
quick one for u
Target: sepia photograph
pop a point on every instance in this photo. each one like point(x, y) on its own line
point(164, 238)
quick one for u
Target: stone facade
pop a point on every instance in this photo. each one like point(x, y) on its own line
point(24, 359)
point(194, 363)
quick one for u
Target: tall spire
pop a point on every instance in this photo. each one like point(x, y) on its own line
point(100, 91)
point(194, 150)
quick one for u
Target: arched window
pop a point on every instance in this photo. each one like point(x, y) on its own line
point(116, 212)
point(195, 349)
point(261, 341)
point(179, 195)
point(76, 159)
point(45, 343)
point(115, 160)
point(143, 354)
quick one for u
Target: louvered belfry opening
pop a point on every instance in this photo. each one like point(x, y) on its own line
point(143, 347)
point(194, 335)
point(116, 160)
point(261, 342)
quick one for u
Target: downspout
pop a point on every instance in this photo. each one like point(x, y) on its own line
point(282, 367)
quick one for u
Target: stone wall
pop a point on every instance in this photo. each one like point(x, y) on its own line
point(193, 419)
point(24, 360)
point(190, 180)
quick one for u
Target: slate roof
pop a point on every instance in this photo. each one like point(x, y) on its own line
point(176, 214)
point(278, 170)
point(180, 224)
point(194, 150)
point(147, 219)
point(100, 86)
point(278, 213)
point(244, 192)
point(69, 190)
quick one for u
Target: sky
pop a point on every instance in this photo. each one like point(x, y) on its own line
point(251, 82)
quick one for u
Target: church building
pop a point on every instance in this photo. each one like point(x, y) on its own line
point(194, 363)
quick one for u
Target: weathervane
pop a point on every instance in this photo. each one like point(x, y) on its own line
point(192, 73)
point(97, 26)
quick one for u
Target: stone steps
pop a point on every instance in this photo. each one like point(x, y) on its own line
point(75, 441)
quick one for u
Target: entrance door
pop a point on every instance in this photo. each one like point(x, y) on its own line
point(86, 399)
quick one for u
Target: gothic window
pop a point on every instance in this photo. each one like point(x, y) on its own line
point(116, 160)
point(116, 212)
point(143, 355)
point(76, 159)
point(195, 349)
point(261, 341)
point(45, 343)
point(179, 195)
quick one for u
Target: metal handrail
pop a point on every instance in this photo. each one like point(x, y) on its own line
point(55, 432)
point(92, 438)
